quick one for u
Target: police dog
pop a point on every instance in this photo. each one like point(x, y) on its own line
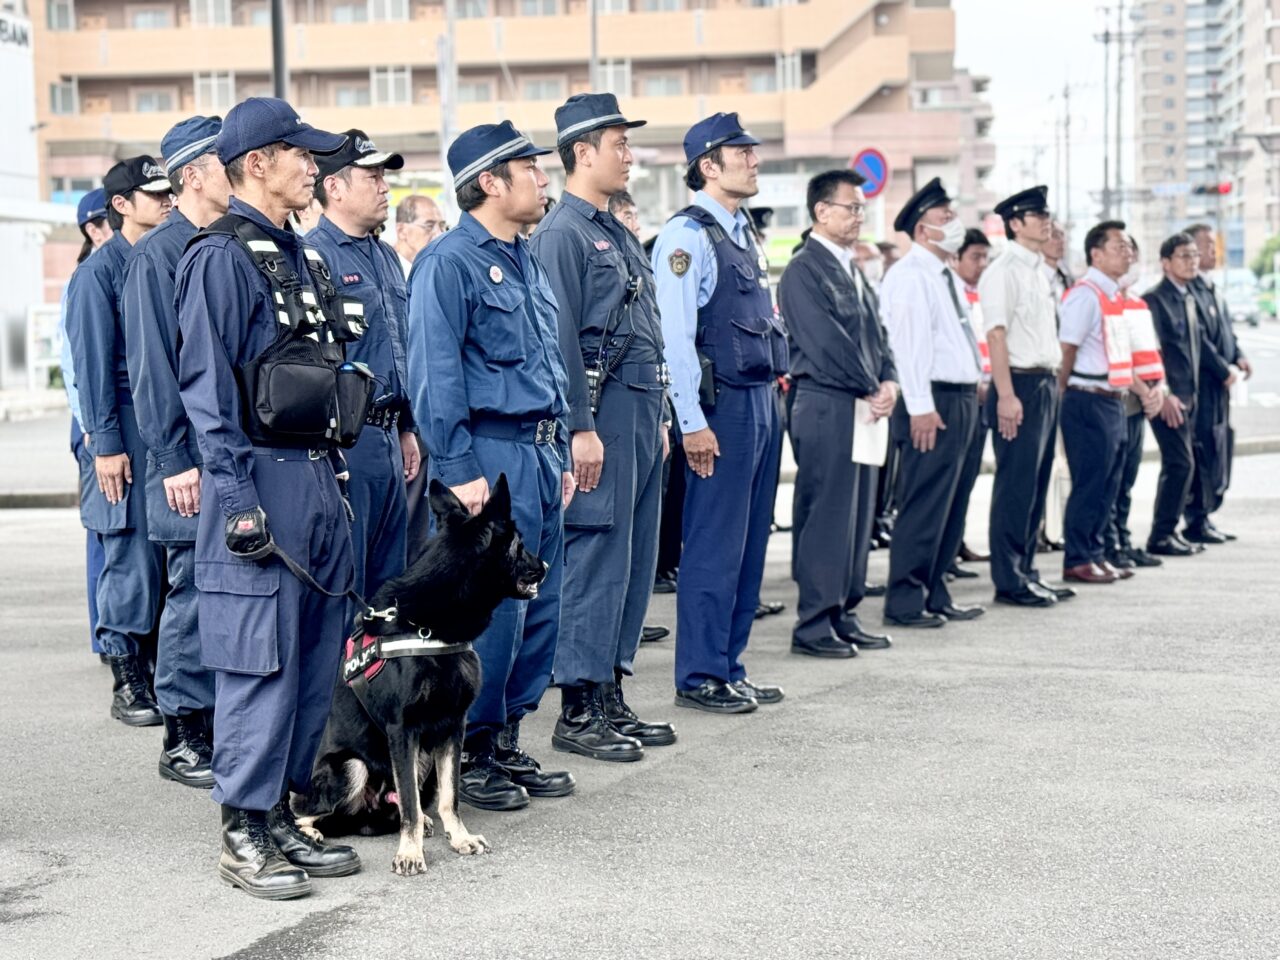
point(404, 743)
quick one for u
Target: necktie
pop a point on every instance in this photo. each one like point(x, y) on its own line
point(1193, 335)
point(964, 321)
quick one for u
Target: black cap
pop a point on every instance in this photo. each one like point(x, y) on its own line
point(358, 151)
point(1034, 200)
point(926, 198)
point(135, 173)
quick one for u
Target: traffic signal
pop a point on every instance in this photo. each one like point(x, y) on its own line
point(1211, 189)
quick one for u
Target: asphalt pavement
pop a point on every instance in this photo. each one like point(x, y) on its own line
point(1099, 780)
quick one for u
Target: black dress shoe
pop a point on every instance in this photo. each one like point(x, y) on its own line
point(776, 527)
point(1026, 597)
point(1049, 590)
point(625, 721)
point(924, 619)
point(952, 612)
point(875, 589)
point(850, 631)
point(1210, 525)
point(654, 633)
point(585, 730)
point(318, 857)
point(1193, 547)
point(251, 860)
point(960, 573)
point(1141, 558)
point(186, 756)
point(715, 696)
point(1120, 560)
point(1169, 547)
point(486, 785)
point(131, 700)
point(665, 582)
point(767, 608)
point(525, 771)
point(1202, 535)
point(830, 647)
point(765, 693)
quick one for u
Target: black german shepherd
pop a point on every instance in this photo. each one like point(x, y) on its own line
point(405, 741)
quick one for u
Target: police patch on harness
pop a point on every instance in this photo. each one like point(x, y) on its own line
point(679, 262)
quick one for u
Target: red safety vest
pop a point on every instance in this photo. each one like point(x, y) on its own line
point(1115, 337)
point(1145, 345)
point(979, 328)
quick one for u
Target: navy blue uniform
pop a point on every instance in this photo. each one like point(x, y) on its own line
point(713, 291)
point(486, 369)
point(369, 270)
point(274, 643)
point(129, 584)
point(151, 326)
point(611, 533)
point(838, 354)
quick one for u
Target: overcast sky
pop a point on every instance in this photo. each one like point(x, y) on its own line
point(1030, 49)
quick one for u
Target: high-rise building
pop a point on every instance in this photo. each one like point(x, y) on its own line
point(816, 81)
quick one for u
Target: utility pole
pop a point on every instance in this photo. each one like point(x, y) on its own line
point(1120, 39)
point(1105, 37)
point(1066, 149)
point(447, 82)
point(279, 69)
point(594, 71)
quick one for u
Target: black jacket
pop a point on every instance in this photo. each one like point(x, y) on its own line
point(1182, 361)
point(836, 336)
point(1219, 348)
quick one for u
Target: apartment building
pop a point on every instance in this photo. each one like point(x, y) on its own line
point(816, 81)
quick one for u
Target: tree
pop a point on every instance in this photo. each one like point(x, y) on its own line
point(1262, 263)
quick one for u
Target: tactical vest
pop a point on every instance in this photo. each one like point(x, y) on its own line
point(738, 329)
point(300, 391)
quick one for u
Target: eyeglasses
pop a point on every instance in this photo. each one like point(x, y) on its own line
point(855, 209)
point(432, 226)
point(1187, 255)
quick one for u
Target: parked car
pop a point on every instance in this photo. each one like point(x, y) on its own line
point(1242, 296)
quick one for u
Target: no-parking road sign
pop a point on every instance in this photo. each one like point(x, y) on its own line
point(872, 165)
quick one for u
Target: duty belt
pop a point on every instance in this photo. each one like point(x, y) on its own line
point(498, 427)
point(642, 373)
point(384, 417)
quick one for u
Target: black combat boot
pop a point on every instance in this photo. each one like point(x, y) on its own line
point(251, 860)
point(186, 755)
point(484, 783)
point(525, 771)
point(584, 729)
point(625, 721)
point(131, 699)
point(318, 858)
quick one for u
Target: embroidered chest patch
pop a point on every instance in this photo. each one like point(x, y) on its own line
point(351, 278)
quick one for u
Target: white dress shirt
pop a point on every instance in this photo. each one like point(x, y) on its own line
point(1015, 294)
point(405, 265)
point(1082, 326)
point(930, 340)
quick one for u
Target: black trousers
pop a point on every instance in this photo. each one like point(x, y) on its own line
point(1118, 535)
point(930, 521)
point(1094, 432)
point(1177, 466)
point(1024, 466)
point(972, 465)
point(1211, 445)
point(672, 523)
point(832, 511)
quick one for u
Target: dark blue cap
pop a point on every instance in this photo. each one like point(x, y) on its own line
point(484, 147)
point(925, 199)
point(258, 121)
point(718, 130)
point(189, 140)
point(584, 112)
point(1035, 200)
point(92, 206)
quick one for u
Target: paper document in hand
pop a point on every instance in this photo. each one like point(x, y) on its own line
point(870, 436)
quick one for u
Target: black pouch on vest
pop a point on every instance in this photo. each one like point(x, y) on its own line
point(356, 384)
point(291, 390)
point(707, 385)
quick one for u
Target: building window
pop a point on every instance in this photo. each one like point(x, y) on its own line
point(539, 8)
point(389, 10)
point(353, 94)
point(762, 80)
point(1168, 103)
point(613, 6)
point(474, 91)
point(542, 88)
point(350, 13)
point(1169, 127)
point(154, 99)
point(661, 85)
point(615, 77)
point(656, 6)
point(1170, 79)
point(259, 15)
point(391, 85)
point(215, 91)
point(149, 18)
point(62, 98)
point(61, 15)
point(473, 9)
point(1170, 56)
point(211, 13)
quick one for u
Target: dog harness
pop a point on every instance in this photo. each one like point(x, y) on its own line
point(366, 652)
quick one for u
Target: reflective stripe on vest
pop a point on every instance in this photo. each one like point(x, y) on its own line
point(979, 328)
point(1145, 345)
point(1115, 337)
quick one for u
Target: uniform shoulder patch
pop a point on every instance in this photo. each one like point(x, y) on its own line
point(679, 262)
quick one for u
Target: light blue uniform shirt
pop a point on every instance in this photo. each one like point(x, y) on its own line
point(68, 363)
point(1082, 326)
point(679, 298)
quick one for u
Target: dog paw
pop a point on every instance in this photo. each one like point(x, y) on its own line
point(408, 865)
point(428, 826)
point(311, 832)
point(469, 844)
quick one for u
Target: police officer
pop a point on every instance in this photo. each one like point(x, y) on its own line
point(836, 357)
point(1022, 335)
point(273, 641)
point(725, 349)
point(611, 341)
point(939, 368)
point(489, 389)
point(111, 504)
point(352, 188)
point(91, 216)
point(184, 689)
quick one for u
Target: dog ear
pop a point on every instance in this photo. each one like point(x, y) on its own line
point(447, 507)
point(499, 504)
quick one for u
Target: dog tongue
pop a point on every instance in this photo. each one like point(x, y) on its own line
point(393, 797)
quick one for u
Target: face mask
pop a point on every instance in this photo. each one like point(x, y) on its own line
point(874, 270)
point(952, 235)
point(1129, 279)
